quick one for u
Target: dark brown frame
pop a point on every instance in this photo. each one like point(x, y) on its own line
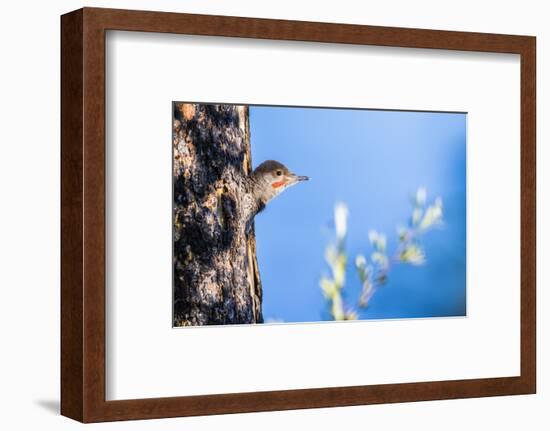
point(83, 214)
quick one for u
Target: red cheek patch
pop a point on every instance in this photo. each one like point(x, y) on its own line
point(278, 184)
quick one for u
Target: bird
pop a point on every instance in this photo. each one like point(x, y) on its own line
point(266, 182)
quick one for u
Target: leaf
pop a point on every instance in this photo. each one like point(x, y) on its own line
point(331, 255)
point(403, 233)
point(381, 243)
point(360, 261)
point(328, 287)
point(413, 254)
point(379, 258)
point(432, 217)
point(341, 220)
point(420, 198)
point(416, 216)
point(373, 236)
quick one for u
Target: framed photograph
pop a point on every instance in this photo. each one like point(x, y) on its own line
point(268, 215)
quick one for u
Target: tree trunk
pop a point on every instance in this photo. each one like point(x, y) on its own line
point(216, 278)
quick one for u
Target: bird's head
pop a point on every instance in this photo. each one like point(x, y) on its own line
point(271, 178)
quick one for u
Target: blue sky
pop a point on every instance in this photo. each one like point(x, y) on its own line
point(373, 161)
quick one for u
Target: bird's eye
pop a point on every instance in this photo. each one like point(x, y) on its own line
point(279, 173)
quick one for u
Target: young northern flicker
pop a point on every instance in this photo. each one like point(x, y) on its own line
point(266, 182)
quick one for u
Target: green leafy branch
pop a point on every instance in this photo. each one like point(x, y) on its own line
point(374, 273)
point(336, 258)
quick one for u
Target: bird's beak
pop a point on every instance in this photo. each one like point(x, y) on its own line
point(295, 179)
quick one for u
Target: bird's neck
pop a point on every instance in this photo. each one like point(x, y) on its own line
point(258, 198)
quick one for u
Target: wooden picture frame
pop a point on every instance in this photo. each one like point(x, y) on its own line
point(83, 214)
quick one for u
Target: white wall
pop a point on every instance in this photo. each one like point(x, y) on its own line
point(29, 223)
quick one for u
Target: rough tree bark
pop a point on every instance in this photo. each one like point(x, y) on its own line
point(216, 278)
